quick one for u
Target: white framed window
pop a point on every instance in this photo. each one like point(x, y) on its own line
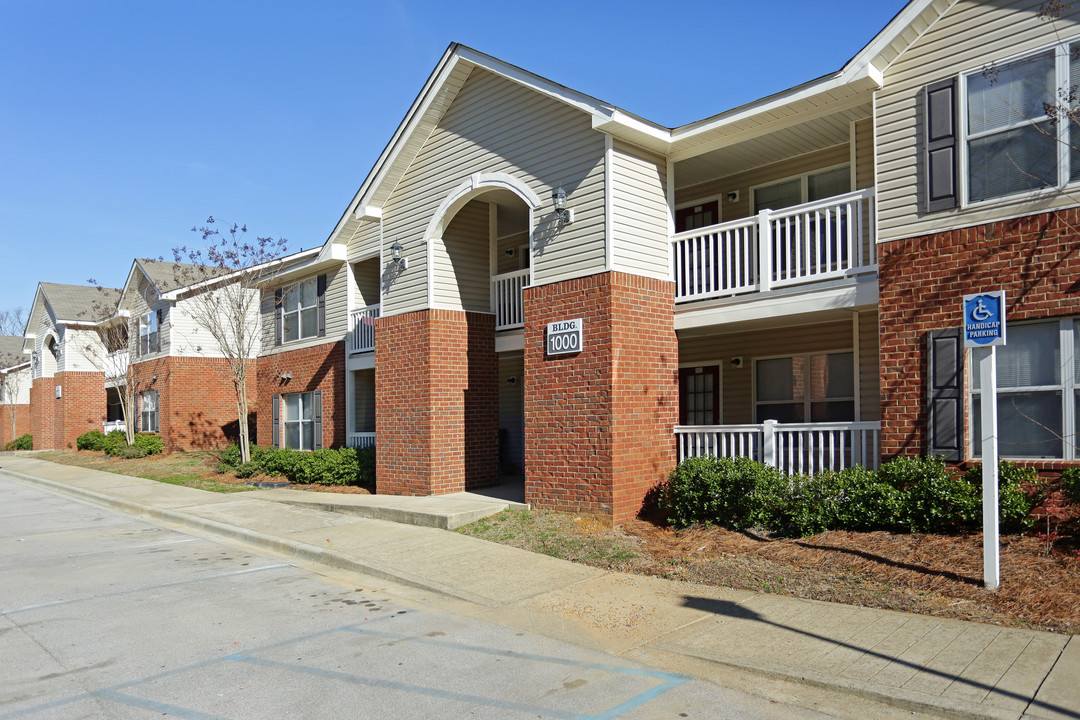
point(1038, 397)
point(798, 189)
point(149, 337)
point(148, 411)
point(300, 310)
point(299, 421)
point(810, 387)
point(1016, 124)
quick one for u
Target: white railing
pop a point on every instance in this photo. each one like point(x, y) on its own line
point(116, 364)
point(108, 427)
point(791, 447)
point(362, 322)
point(823, 240)
point(361, 439)
point(506, 299)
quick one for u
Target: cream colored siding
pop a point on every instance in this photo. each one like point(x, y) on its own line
point(869, 366)
point(461, 256)
point(737, 383)
point(80, 351)
point(364, 242)
point(17, 388)
point(45, 326)
point(139, 300)
point(742, 182)
point(188, 337)
point(498, 126)
point(510, 263)
point(337, 316)
point(639, 212)
point(971, 35)
point(366, 277)
point(364, 401)
point(864, 154)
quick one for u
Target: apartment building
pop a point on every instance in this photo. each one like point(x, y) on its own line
point(534, 286)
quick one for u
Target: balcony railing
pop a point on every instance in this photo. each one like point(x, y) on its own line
point(116, 364)
point(362, 322)
point(823, 240)
point(506, 299)
point(111, 425)
point(360, 439)
point(791, 447)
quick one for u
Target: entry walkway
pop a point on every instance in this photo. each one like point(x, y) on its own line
point(921, 664)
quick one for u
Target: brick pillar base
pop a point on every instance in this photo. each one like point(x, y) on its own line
point(599, 423)
point(436, 396)
point(43, 413)
point(80, 408)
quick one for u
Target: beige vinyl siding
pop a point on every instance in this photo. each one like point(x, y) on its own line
point(498, 126)
point(639, 212)
point(81, 350)
point(864, 154)
point(462, 260)
point(515, 241)
point(17, 388)
point(512, 411)
point(366, 277)
point(364, 400)
point(969, 36)
point(46, 325)
point(141, 298)
point(738, 383)
point(742, 182)
point(188, 338)
point(869, 367)
point(337, 320)
point(364, 242)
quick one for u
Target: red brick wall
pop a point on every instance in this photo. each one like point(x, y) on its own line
point(598, 424)
point(436, 380)
point(80, 408)
point(321, 367)
point(1035, 259)
point(43, 413)
point(196, 400)
point(22, 423)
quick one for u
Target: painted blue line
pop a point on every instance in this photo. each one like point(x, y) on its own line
point(639, 700)
point(31, 608)
point(417, 689)
point(163, 708)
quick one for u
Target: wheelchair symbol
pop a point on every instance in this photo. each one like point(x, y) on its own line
point(981, 312)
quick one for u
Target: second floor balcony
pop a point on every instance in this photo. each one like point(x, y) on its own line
point(814, 242)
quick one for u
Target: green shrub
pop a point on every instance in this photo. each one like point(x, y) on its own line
point(366, 459)
point(131, 452)
point(92, 440)
point(229, 458)
point(248, 469)
point(849, 499)
point(150, 443)
point(736, 493)
point(1014, 505)
point(1070, 479)
point(811, 506)
point(115, 441)
point(23, 442)
point(932, 500)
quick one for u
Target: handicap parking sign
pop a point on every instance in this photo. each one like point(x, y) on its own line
point(984, 319)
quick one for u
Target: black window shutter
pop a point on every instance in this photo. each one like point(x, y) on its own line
point(945, 394)
point(275, 424)
point(316, 415)
point(277, 319)
point(157, 336)
point(321, 289)
point(941, 151)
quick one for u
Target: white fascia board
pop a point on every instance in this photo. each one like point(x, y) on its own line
point(634, 130)
point(368, 212)
point(15, 368)
point(870, 54)
point(766, 308)
point(127, 283)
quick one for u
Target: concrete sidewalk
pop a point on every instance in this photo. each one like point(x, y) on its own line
point(926, 665)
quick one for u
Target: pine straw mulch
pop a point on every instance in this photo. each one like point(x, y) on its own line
point(938, 575)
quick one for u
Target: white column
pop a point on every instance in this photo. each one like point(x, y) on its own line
point(765, 248)
point(988, 382)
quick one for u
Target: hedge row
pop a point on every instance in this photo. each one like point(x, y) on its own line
point(330, 466)
point(115, 444)
point(23, 442)
point(906, 494)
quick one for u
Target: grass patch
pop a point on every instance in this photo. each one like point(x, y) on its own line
point(196, 469)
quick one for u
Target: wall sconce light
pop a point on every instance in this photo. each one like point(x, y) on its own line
point(563, 215)
point(512, 380)
point(397, 258)
point(736, 361)
point(509, 252)
point(285, 375)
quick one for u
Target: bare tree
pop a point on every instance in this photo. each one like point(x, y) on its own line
point(223, 285)
point(13, 366)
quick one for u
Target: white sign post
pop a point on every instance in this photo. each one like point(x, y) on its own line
point(984, 326)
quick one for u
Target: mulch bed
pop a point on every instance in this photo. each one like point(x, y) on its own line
point(937, 575)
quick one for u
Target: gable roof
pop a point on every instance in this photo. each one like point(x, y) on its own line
point(79, 303)
point(11, 352)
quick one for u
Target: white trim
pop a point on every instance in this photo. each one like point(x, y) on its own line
point(670, 192)
point(808, 400)
point(350, 402)
point(476, 185)
point(857, 358)
point(609, 213)
point(843, 297)
point(719, 365)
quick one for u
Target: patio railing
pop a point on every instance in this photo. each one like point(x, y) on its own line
point(507, 299)
point(360, 439)
point(362, 322)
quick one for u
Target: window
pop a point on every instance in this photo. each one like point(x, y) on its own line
point(806, 388)
point(804, 188)
point(300, 311)
point(697, 216)
point(1038, 393)
point(149, 339)
point(1017, 135)
point(148, 411)
point(699, 395)
point(299, 421)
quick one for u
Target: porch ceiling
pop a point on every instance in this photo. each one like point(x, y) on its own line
point(792, 141)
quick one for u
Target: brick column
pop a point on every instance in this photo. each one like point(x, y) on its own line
point(43, 413)
point(81, 406)
point(436, 396)
point(598, 424)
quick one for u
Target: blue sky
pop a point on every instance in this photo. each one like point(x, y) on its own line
point(124, 124)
